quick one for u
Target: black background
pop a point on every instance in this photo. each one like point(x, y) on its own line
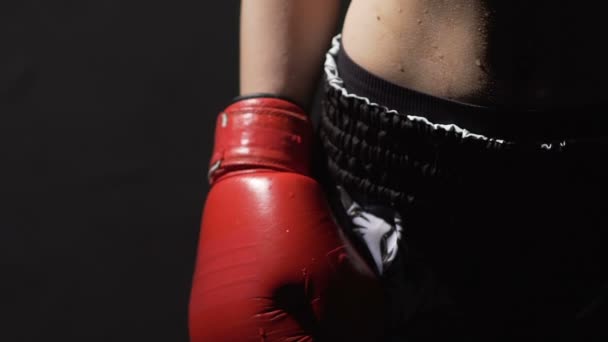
point(106, 114)
point(107, 110)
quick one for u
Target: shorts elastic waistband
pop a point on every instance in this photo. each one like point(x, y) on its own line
point(543, 126)
point(427, 144)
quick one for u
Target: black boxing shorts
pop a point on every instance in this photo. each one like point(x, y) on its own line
point(483, 223)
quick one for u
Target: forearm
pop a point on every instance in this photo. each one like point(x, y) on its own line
point(282, 45)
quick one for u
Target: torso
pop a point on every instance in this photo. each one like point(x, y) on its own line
point(530, 54)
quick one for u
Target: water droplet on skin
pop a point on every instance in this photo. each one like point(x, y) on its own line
point(478, 62)
point(286, 230)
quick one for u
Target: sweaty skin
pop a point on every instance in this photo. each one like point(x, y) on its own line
point(528, 54)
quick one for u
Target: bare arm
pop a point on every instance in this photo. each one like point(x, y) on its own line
point(282, 45)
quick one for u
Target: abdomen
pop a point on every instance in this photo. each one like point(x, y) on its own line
point(516, 53)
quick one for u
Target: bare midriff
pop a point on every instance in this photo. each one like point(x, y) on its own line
point(522, 53)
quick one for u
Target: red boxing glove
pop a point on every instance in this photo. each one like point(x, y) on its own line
point(272, 264)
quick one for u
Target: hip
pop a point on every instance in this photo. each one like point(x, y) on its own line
point(466, 226)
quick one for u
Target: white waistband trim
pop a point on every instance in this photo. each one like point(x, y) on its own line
point(334, 80)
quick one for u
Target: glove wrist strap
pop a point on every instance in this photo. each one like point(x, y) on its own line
point(268, 133)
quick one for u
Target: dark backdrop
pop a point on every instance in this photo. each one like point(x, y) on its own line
point(106, 117)
point(106, 114)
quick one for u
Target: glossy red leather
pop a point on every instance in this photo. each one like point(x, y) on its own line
point(262, 133)
point(273, 266)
